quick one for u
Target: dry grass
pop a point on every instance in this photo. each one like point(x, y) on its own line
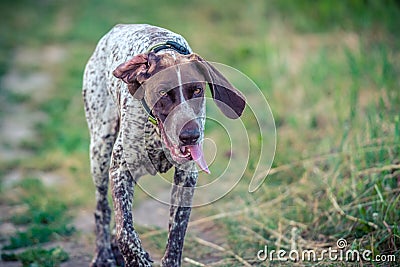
point(330, 74)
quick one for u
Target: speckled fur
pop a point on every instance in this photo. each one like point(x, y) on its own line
point(125, 146)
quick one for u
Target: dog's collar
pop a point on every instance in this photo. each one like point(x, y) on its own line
point(150, 117)
point(155, 48)
point(169, 45)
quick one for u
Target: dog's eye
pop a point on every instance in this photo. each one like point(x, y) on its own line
point(163, 93)
point(197, 90)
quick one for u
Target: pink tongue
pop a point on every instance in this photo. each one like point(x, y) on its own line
point(198, 157)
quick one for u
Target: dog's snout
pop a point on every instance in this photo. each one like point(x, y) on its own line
point(189, 134)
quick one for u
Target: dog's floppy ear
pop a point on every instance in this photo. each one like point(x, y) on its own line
point(228, 99)
point(134, 72)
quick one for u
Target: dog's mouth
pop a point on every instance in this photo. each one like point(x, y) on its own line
point(182, 154)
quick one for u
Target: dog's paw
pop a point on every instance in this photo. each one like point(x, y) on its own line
point(104, 258)
point(117, 253)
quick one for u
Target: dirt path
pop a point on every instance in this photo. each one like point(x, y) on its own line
point(31, 77)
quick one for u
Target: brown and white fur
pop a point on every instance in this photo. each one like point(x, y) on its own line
point(125, 145)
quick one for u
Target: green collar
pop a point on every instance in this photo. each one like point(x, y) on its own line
point(151, 118)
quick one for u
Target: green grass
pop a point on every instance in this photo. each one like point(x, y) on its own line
point(38, 257)
point(330, 71)
point(43, 219)
point(45, 216)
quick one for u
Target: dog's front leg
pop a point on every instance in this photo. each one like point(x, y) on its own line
point(181, 202)
point(122, 185)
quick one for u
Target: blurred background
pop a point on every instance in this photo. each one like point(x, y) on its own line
point(329, 70)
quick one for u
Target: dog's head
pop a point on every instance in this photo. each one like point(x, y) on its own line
point(173, 86)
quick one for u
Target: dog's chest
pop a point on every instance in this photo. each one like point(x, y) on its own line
point(154, 149)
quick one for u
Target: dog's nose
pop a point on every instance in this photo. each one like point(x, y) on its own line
point(189, 136)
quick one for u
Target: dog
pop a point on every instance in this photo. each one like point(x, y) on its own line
point(144, 98)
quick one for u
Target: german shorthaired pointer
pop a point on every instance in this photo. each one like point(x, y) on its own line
point(143, 91)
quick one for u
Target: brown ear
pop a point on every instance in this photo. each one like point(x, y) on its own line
point(131, 73)
point(228, 99)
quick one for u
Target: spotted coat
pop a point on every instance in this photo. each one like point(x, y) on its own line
point(125, 146)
